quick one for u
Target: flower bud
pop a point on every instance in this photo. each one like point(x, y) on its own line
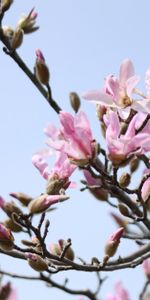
point(113, 243)
point(5, 4)
point(124, 180)
point(36, 262)
point(145, 191)
point(9, 207)
point(55, 185)
point(146, 268)
point(101, 111)
point(26, 23)
point(6, 239)
point(74, 101)
point(134, 164)
point(10, 224)
point(44, 201)
point(121, 222)
point(17, 39)
point(41, 69)
point(23, 198)
point(8, 32)
point(57, 249)
point(124, 210)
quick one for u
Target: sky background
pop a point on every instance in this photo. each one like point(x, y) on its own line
point(82, 42)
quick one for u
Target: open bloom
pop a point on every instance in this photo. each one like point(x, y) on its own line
point(73, 138)
point(121, 146)
point(117, 92)
point(120, 293)
point(7, 292)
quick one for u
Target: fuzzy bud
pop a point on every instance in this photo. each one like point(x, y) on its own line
point(57, 249)
point(146, 268)
point(6, 239)
point(113, 243)
point(134, 164)
point(121, 222)
point(75, 101)
point(124, 210)
point(23, 198)
point(17, 39)
point(5, 5)
point(101, 111)
point(41, 69)
point(36, 262)
point(145, 191)
point(44, 201)
point(124, 180)
point(13, 226)
point(8, 32)
point(9, 207)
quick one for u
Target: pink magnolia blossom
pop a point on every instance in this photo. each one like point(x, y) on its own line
point(146, 267)
point(145, 191)
point(112, 243)
point(7, 292)
point(73, 138)
point(120, 293)
point(39, 55)
point(62, 168)
point(121, 146)
point(117, 92)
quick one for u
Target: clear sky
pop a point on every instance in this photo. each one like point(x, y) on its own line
point(82, 41)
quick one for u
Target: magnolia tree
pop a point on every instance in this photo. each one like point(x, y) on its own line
point(123, 113)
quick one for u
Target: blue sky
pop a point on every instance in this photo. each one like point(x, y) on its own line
point(82, 42)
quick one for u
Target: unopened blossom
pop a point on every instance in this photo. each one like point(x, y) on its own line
point(5, 5)
point(41, 69)
point(7, 292)
point(57, 249)
point(120, 293)
point(27, 23)
point(6, 238)
point(146, 267)
point(36, 262)
point(112, 243)
point(95, 186)
point(73, 138)
point(145, 191)
point(121, 146)
point(9, 207)
point(43, 202)
point(118, 92)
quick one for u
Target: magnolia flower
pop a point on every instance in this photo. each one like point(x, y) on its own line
point(117, 92)
point(7, 292)
point(62, 168)
point(120, 293)
point(73, 138)
point(121, 146)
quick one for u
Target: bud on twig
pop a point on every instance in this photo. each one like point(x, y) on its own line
point(36, 262)
point(112, 244)
point(17, 39)
point(57, 249)
point(124, 210)
point(13, 226)
point(44, 201)
point(6, 239)
point(23, 198)
point(74, 101)
point(41, 69)
point(5, 4)
point(134, 164)
point(124, 180)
